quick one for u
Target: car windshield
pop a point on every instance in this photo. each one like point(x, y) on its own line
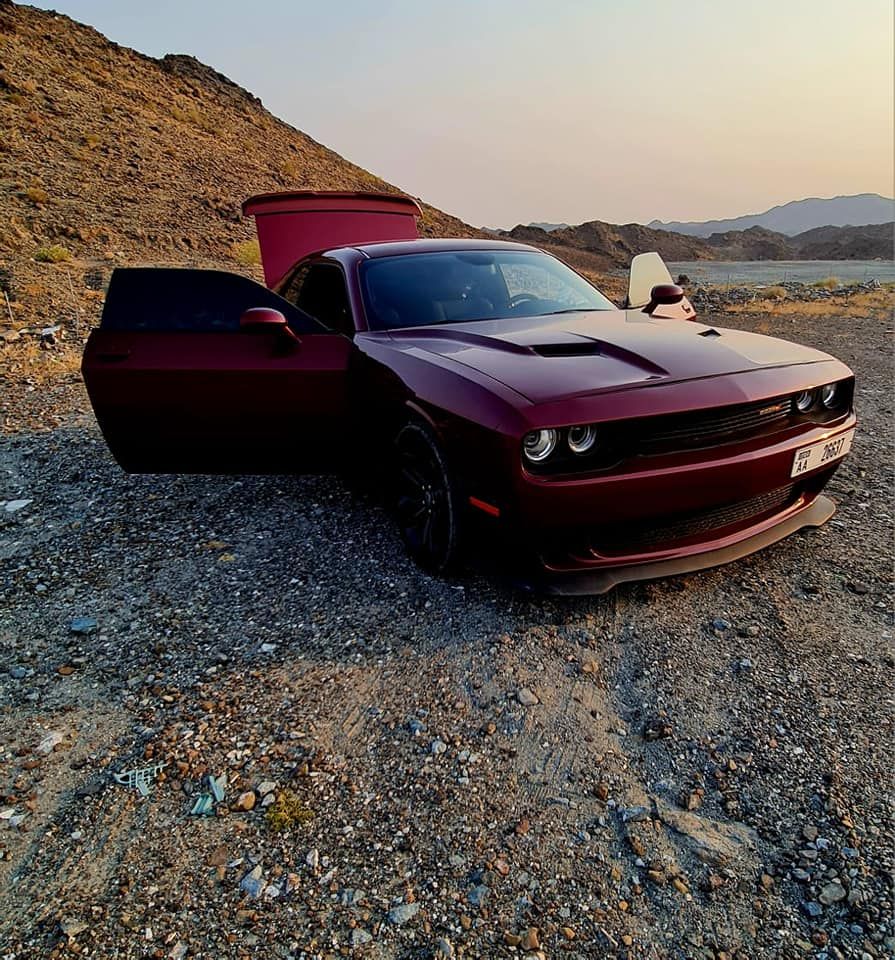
point(456, 286)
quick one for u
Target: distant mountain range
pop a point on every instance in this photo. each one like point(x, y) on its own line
point(549, 227)
point(796, 217)
point(596, 246)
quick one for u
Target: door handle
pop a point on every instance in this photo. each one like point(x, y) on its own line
point(111, 357)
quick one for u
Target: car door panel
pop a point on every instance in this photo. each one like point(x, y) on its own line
point(220, 399)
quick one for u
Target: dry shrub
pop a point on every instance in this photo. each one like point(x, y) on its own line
point(247, 253)
point(288, 811)
point(41, 366)
point(53, 254)
point(178, 114)
point(92, 140)
point(774, 293)
point(194, 116)
point(37, 195)
point(865, 304)
point(828, 283)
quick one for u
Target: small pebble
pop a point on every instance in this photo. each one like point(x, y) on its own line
point(402, 913)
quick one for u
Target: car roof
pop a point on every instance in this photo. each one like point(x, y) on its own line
point(395, 248)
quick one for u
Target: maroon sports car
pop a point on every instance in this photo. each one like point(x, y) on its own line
point(488, 384)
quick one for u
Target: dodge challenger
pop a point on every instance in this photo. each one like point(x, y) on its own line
point(497, 396)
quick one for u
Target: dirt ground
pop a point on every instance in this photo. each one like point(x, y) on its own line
point(697, 767)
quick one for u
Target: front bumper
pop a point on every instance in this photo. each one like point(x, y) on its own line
point(669, 514)
point(596, 581)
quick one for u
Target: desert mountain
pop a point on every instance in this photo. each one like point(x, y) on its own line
point(756, 243)
point(549, 227)
point(599, 247)
point(872, 242)
point(797, 216)
point(608, 246)
point(109, 156)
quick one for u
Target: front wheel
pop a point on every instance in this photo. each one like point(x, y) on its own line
point(427, 500)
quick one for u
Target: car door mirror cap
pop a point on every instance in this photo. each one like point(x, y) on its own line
point(262, 318)
point(664, 294)
point(668, 302)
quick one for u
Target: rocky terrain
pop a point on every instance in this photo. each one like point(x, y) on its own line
point(236, 721)
point(408, 767)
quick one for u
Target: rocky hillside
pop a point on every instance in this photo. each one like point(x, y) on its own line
point(756, 243)
point(109, 156)
point(871, 242)
point(598, 246)
point(605, 246)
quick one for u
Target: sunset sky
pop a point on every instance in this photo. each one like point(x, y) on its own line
point(506, 111)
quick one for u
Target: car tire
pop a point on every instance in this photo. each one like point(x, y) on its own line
point(427, 501)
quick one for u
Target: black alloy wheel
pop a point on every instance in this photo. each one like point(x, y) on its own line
point(427, 502)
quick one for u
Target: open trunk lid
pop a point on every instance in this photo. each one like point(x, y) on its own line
point(292, 225)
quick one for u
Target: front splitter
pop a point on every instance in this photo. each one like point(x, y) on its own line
point(588, 582)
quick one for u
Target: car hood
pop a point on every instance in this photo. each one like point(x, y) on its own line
point(575, 354)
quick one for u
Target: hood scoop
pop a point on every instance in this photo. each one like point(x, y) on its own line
point(709, 332)
point(583, 348)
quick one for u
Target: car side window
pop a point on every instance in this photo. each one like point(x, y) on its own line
point(185, 300)
point(319, 290)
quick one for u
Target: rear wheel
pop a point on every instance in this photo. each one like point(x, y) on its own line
point(428, 503)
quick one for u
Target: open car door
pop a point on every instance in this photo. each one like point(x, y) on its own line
point(180, 382)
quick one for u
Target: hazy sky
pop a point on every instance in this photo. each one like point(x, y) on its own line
point(503, 111)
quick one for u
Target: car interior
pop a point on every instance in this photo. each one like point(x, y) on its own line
point(319, 290)
point(437, 293)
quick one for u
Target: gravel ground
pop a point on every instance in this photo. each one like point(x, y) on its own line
point(698, 767)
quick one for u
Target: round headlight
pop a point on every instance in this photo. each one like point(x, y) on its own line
point(805, 401)
point(829, 395)
point(539, 444)
point(581, 439)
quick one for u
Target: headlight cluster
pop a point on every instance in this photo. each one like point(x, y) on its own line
point(538, 445)
point(829, 396)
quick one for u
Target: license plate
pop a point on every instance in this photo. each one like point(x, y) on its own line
point(820, 454)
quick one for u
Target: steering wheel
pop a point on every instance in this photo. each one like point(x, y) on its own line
point(521, 298)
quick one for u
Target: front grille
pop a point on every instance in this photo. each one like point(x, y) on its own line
point(639, 536)
point(674, 432)
point(622, 440)
point(708, 427)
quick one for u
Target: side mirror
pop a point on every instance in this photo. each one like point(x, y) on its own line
point(262, 318)
point(664, 293)
point(667, 302)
